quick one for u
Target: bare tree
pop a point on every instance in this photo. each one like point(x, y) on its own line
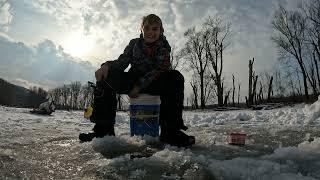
point(233, 91)
point(37, 95)
point(316, 61)
point(194, 85)
point(265, 80)
point(65, 92)
point(75, 92)
point(260, 94)
point(226, 98)
point(254, 93)
point(252, 87)
point(216, 33)
point(175, 58)
point(86, 95)
point(279, 85)
point(312, 11)
point(239, 94)
point(270, 88)
point(313, 71)
point(291, 28)
point(291, 76)
point(209, 90)
point(194, 52)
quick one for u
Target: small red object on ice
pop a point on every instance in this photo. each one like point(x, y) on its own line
point(237, 138)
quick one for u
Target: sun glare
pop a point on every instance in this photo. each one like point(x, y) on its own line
point(79, 45)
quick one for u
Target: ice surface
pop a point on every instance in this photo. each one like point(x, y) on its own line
point(281, 144)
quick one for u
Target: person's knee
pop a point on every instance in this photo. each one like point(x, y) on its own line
point(175, 77)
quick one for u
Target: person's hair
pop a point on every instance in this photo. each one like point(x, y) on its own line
point(152, 19)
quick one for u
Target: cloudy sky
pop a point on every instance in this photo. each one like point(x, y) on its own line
point(51, 42)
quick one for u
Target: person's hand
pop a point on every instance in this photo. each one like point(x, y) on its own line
point(134, 92)
point(102, 72)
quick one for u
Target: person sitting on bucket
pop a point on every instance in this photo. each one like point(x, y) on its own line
point(150, 73)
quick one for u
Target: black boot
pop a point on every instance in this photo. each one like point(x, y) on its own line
point(106, 130)
point(86, 137)
point(176, 138)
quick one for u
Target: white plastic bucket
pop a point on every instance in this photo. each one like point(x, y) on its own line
point(144, 115)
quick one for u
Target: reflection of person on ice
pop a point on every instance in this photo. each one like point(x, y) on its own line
point(45, 108)
point(150, 73)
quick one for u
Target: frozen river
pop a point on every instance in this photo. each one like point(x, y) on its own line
point(281, 144)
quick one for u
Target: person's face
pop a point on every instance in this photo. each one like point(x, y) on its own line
point(151, 33)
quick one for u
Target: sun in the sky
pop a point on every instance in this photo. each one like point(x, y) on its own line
point(78, 44)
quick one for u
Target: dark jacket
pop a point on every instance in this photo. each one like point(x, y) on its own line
point(146, 60)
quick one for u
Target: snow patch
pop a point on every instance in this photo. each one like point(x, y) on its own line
point(311, 146)
point(313, 111)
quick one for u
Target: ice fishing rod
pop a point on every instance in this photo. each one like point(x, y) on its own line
point(104, 81)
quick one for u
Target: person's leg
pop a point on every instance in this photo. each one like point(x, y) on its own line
point(170, 87)
point(105, 103)
point(104, 110)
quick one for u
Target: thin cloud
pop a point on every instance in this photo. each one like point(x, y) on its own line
point(5, 15)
